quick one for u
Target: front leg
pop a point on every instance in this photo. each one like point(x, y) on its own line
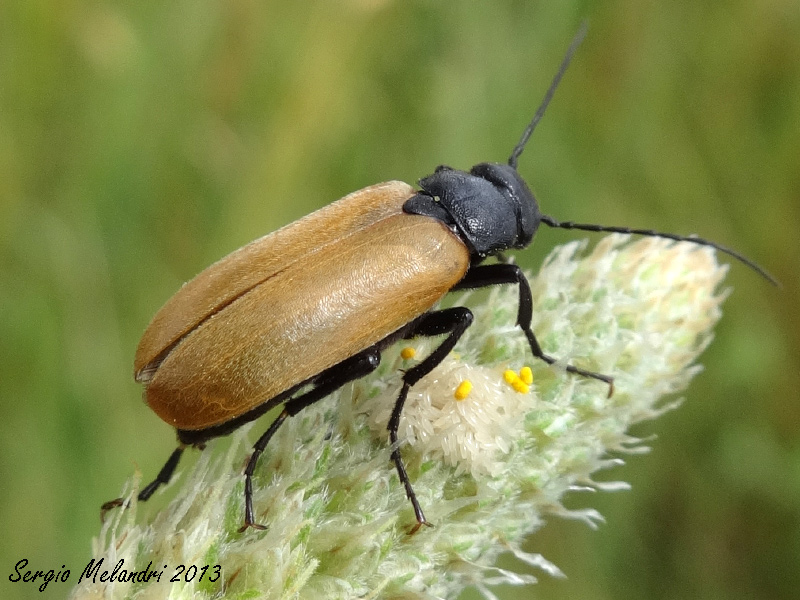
point(486, 275)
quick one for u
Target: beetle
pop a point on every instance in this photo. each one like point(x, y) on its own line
point(335, 289)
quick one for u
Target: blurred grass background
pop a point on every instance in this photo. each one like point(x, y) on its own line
point(139, 142)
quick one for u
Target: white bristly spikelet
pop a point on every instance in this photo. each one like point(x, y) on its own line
point(492, 440)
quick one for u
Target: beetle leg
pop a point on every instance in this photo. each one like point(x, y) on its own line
point(454, 322)
point(486, 275)
point(163, 477)
point(258, 448)
point(326, 383)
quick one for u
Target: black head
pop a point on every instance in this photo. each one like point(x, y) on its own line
point(492, 209)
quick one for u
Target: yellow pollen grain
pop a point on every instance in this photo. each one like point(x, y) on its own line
point(526, 375)
point(408, 353)
point(520, 386)
point(516, 382)
point(463, 390)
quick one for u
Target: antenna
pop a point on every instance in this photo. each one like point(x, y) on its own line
point(670, 236)
point(576, 41)
point(512, 162)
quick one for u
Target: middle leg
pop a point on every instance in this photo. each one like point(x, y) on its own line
point(453, 322)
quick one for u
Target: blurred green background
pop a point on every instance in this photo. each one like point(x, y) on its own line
point(141, 141)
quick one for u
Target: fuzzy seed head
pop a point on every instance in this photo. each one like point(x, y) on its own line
point(487, 469)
